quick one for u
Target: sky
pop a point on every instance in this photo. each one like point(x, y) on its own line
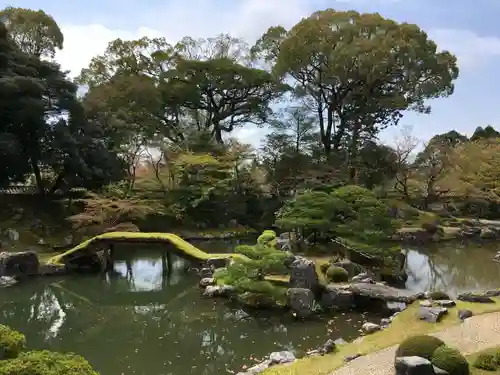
point(469, 29)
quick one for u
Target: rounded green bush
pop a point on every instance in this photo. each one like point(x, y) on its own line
point(450, 360)
point(420, 346)
point(11, 342)
point(337, 274)
point(438, 295)
point(46, 363)
point(486, 361)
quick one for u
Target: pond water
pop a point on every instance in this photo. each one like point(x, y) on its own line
point(144, 321)
point(453, 267)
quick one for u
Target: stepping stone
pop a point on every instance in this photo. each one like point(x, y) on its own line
point(432, 314)
point(473, 297)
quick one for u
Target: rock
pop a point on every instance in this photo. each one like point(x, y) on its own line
point(278, 358)
point(337, 298)
point(350, 358)
point(340, 341)
point(12, 235)
point(382, 292)
point(474, 297)
point(52, 269)
point(431, 314)
point(6, 281)
point(470, 232)
point(214, 263)
point(257, 369)
point(241, 315)
point(464, 314)
point(218, 291)
point(303, 274)
point(384, 322)
point(426, 303)
point(370, 328)
point(68, 240)
point(206, 272)
point(328, 347)
point(301, 301)
point(413, 366)
point(493, 293)
point(206, 281)
point(488, 233)
point(41, 241)
point(445, 303)
point(24, 263)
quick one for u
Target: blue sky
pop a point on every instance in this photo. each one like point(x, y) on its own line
point(470, 29)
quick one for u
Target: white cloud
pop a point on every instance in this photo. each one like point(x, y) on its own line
point(471, 49)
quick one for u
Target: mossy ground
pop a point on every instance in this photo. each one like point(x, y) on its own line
point(475, 371)
point(403, 326)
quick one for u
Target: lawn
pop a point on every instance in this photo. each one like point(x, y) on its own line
point(403, 326)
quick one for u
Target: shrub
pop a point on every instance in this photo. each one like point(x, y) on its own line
point(420, 346)
point(438, 295)
point(450, 360)
point(11, 342)
point(324, 267)
point(268, 237)
point(486, 361)
point(337, 274)
point(46, 363)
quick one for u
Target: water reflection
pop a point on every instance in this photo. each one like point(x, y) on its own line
point(453, 267)
point(144, 319)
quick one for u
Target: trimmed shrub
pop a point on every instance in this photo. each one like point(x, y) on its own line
point(337, 274)
point(268, 237)
point(486, 361)
point(438, 295)
point(11, 342)
point(450, 360)
point(420, 346)
point(46, 363)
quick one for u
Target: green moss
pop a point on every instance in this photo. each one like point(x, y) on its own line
point(11, 342)
point(420, 346)
point(46, 363)
point(178, 242)
point(337, 274)
point(450, 360)
point(486, 361)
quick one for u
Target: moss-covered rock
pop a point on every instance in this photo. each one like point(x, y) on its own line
point(420, 346)
point(450, 360)
point(337, 274)
point(46, 363)
point(11, 342)
point(486, 361)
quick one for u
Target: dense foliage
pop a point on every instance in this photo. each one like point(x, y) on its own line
point(154, 133)
point(15, 361)
point(420, 346)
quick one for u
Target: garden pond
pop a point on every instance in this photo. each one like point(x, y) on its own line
point(146, 321)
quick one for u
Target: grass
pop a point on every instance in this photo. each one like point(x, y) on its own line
point(476, 371)
point(403, 326)
point(179, 243)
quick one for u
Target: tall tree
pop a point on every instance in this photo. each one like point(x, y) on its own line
point(35, 32)
point(359, 71)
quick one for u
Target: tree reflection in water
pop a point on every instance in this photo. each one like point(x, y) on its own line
point(144, 319)
point(454, 268)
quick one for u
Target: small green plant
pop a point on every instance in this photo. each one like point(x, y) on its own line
point(420, 346)
point(268, 237)
point(438, 295)
point(486, 361)
point(450, 360)
point(46, 363)
point(337, 274)
point(11, 342)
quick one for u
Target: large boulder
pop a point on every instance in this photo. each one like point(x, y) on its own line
point(303, 274)
point(415, 366)
point(24, 263)
point(382, 292)
point(431, 314)
point(337, 298)
point(301, 301)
